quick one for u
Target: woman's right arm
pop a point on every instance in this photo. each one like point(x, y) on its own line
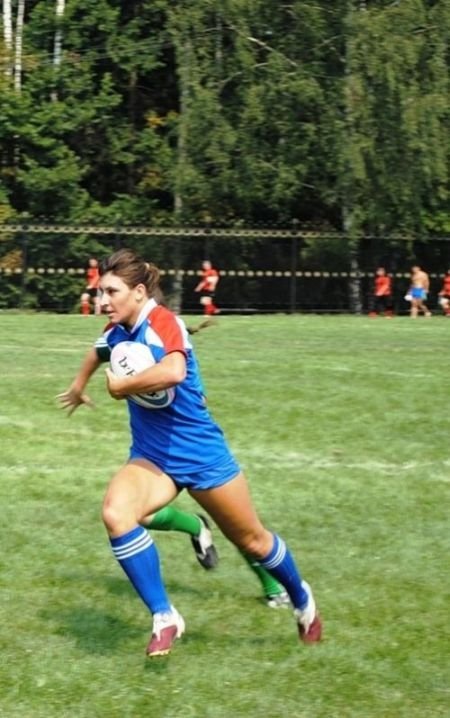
point(73, 397)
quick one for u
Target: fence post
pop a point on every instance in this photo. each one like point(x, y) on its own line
point(294, 262)
point(177, 283)
point(24, 277)
point(354, 284)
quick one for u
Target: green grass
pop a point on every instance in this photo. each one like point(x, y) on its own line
point(342, 425)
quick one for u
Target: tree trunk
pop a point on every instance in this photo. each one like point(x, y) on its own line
point(57, 48)
point(8, 36)
point(184, 59)
point(350, 196)
point(18, 48)
point(354, 282)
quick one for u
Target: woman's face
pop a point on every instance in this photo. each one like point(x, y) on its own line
point(121, 303)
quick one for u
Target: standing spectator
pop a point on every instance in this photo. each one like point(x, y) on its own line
point(207, 288)
point(382, 294)
point(420, 286)
point(91, 292)
point(444, 294)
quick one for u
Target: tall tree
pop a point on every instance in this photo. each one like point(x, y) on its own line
point(7, 37)
point(395, 146)
point(241, 110)
point(57, 48)
point(19, 45)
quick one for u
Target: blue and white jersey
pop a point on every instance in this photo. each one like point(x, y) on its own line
point(181, 438)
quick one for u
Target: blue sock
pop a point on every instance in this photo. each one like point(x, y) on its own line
point(137, 554)
point(281, 565)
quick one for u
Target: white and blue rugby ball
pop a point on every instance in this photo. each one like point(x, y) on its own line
point(129, 358)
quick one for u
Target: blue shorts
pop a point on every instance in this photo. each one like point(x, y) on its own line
point(205, 478)
point(208, 478)
point(418, 293)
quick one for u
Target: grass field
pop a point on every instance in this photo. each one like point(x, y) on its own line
point(342, 425)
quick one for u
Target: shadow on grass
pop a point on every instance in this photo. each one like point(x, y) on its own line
point(121, 587)
point(98, 628)
point(98, 631)
point(94, 630)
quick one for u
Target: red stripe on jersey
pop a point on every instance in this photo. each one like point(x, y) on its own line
point(165, 324)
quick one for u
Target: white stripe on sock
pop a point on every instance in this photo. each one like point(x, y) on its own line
point(138, 544)
point(278, 558)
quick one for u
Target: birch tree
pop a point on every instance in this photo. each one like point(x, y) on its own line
point(57, 47)
point(8, 36)
point(18, 45)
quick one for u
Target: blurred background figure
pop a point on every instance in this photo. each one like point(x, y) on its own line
point(420, 286)
point(90, 297)
point(444, 294)
point(382, 294)
point(207, 288)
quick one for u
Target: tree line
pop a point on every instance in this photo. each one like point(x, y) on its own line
point(331, 114)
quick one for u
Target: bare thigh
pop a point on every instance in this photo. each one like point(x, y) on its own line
point(139, 488)
point(232, 509)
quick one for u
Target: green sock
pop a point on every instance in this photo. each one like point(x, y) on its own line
point(270, 585)
point(171, 519)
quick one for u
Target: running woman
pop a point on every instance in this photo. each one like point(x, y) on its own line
point(174, 448)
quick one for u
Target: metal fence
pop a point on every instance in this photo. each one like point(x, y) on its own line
point(262, 269)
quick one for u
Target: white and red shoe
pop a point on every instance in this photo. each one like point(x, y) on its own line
point(167, 627)
point(308, 619)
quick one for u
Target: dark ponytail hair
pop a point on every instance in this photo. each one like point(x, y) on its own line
point(132, 270)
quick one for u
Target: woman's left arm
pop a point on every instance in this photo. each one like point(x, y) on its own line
point(170, 371)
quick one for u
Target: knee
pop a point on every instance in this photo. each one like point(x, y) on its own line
point(257, 544)
point(115, 518)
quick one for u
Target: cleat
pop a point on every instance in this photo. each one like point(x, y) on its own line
point(308, 620)
point(203, 545)
point(167, 627)
point(278, 600)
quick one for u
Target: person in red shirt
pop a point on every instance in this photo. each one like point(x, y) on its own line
point(444, 294)
point(207, 288)
point(382, 294)
point(91, 291)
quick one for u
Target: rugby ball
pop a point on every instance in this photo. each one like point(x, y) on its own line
point(129, 358)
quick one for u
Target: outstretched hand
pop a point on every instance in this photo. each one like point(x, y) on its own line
point(72, 399)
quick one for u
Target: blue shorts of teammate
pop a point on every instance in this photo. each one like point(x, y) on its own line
point(204, 479)
point(418, 293)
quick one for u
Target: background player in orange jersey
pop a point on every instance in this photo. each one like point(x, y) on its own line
point(207, 288)
point(382, 294)
point(444, 294)
point(91, 292)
